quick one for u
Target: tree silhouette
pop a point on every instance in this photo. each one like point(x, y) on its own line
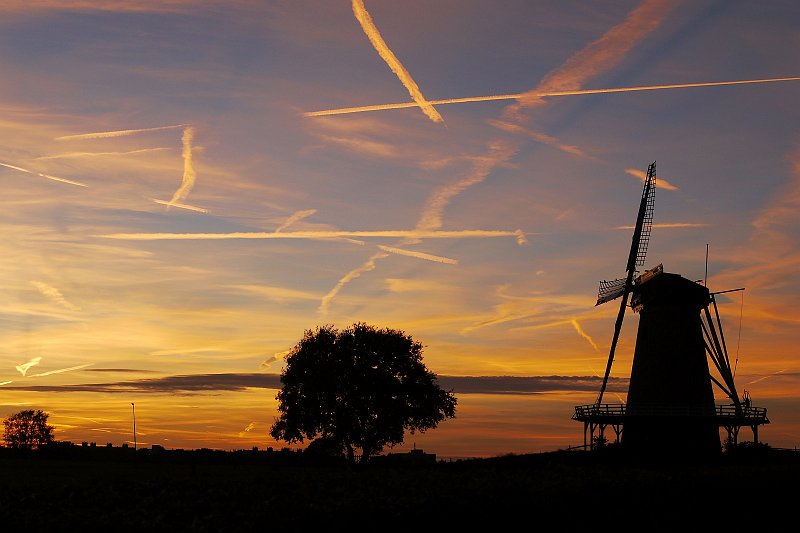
point(27, 430)
point(360, 389)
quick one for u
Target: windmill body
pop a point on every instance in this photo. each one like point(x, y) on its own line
point(669, 384)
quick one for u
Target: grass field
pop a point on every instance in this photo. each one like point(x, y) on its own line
point(561, 491)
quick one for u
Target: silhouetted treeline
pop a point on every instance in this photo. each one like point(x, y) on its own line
point(79, 488)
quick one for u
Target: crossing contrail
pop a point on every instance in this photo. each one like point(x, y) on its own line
point(298, 215)
point(23, 368)
point(60, 370)
point(48, 176)
point(418, 255)
point(180, 205)
point(388, 56)
point(117, 133)
point(542, 94)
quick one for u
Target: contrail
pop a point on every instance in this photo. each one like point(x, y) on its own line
point(299, 215)
point(117, 133)
point(23, 368)
point(431, 218)
point(67, 155)
point(353, 274)
point(5, 382)
point(55, 295)
point(386, 54)
point(542, 94)
point(48, 176)
point(180, 205)
point(583, 334)
point(60, 370)
point(419, 255)
point(415, 234)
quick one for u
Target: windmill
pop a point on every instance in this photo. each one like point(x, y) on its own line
point(670, 388)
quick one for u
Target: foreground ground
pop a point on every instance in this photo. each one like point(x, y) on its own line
point(565, 491)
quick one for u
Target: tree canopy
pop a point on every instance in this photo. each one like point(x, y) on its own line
point(27, 430)
point(360, 389)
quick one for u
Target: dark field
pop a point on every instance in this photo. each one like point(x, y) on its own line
point(561, 491)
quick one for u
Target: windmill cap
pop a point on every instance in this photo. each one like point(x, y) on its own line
point(671, 290)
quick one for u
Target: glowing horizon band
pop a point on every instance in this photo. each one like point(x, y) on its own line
point(517, 96)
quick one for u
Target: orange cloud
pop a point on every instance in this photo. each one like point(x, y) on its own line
point(660, 182)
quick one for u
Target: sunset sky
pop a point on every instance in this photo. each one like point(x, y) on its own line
point(188, 186)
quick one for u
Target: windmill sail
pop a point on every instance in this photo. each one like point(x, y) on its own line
point(639, 243)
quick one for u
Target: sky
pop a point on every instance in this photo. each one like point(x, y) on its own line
point(189, 186)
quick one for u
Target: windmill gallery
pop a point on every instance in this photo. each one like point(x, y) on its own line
point(670, 403)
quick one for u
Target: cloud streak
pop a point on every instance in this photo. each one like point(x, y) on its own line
point(388, 56)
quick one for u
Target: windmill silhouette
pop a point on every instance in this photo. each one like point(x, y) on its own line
point(670, 402)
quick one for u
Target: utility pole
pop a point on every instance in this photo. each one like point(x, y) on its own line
point(133, 408)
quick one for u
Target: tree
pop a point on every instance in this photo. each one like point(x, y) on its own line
point(359, 389)
point(27, 430)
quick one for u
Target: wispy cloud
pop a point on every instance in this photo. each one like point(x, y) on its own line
point(388, 56)
point(55, 295)
point(117, 133)
point(5, 383)
point(277, 293)
point(48, 176)
point(23, 368)
point(660, 182)
point(269, 361)
point(250, 427)
point(599, 56)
